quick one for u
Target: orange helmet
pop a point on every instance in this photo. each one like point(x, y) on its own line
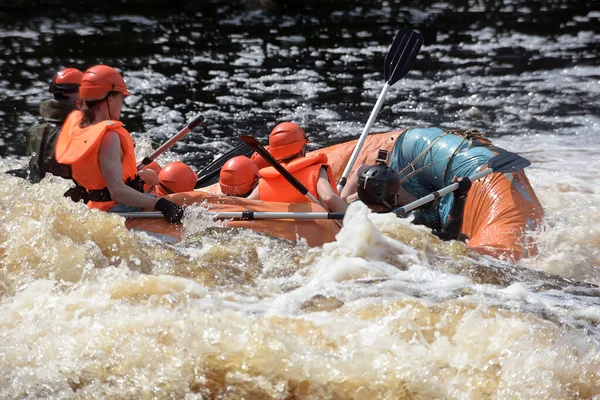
point(154, 166)
point(176, 177)
point(99, 80)
point(238, 176)
point(259, 160)
point(66, 80)
point(286, 139)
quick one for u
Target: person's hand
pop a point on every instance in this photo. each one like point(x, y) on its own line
point(172, 212)
point(464, 184)
point(149, 176)
point(351, 198)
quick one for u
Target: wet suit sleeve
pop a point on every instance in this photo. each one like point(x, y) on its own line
point(451, 229)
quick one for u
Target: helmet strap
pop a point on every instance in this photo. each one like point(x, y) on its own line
point(108, 106)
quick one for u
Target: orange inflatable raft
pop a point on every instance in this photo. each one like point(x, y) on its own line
point(500, 208)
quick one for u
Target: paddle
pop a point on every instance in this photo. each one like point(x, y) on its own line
point(244, 215)
point(505, 162)
point(210, 173)
point(397, 63)
point(169, 143)
point(250, 141)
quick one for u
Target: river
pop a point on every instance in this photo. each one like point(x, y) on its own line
point(90, 309)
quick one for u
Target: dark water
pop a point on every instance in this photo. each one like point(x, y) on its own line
point(249, 65)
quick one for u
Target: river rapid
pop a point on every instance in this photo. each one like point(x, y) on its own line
point(89, 309)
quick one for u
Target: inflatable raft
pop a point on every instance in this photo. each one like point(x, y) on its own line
point(500, 208)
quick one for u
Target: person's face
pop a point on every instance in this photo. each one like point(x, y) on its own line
point(115, 104)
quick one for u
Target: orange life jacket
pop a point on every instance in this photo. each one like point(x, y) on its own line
point(274, 187)
point(79, 147)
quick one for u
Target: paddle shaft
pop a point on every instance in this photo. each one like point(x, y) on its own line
point(439, 193)
point(244, 215)
point(211, 171)
point(169, 143)
point(363, 136)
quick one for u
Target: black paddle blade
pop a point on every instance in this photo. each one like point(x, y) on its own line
point(19, 173)
point(508, 162)
point(210, 174)
point(402, 54)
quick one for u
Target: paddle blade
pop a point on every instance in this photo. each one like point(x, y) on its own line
point(210, 174)
point(508, 162)
point(402, 54)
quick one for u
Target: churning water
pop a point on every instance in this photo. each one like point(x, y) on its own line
point(90, 309)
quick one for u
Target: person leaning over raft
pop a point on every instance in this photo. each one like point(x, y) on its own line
point(378, 186)
point(176, 177)
point(101, 151)
point(287, 144)
point(238, 177)
point(500, 210)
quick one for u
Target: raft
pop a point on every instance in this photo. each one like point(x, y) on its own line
point(500, 208)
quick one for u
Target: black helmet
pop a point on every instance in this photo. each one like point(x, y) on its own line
point(378, 185)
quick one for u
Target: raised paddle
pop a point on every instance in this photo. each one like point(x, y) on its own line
point(210, 173)
point(250, 141)
point(397, 63)
point(169, 143)
point(244, 215)
point(504, 162)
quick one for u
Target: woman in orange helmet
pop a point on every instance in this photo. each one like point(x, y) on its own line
point(287, 144)
point(239, 176)
point(101, 151)
point(176, 177)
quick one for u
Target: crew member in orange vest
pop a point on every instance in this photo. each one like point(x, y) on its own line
point(239, 177)
point(287, 144)
point(101, 151)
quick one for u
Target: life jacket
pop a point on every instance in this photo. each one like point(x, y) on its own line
point(79, 147)
point(274, 187)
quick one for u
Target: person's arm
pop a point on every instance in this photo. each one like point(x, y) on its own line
point(326, 193)
point(352, 185)
point(110, 156)
point(255, 195)
point(452, 227)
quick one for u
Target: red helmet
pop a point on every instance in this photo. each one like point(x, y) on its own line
point(176, 177)
point(238, 176)
point(66, 81)
point(99, 80)
point(286, 139)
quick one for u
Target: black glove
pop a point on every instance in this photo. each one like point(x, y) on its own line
point(171, 211)
point(464, 185)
